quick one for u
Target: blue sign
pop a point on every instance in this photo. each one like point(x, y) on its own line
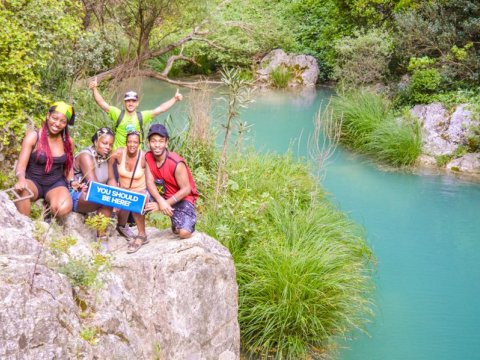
point(115, 197)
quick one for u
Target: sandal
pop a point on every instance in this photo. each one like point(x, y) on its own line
point(125, 232)
point(144, 239)
point(135, 244)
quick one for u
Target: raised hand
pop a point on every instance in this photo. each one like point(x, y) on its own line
point(93, 84)
point(178, 96)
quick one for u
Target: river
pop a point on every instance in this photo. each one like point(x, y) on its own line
point(424, 231)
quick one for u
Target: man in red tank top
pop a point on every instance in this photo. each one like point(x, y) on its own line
point(170, 183)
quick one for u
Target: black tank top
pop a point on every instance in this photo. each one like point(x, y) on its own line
point(36, 168)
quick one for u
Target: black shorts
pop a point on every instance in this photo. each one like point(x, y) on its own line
point(44, 189)
point(184, 216)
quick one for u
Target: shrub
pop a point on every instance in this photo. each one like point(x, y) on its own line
point(363, 58)
point(423, 85)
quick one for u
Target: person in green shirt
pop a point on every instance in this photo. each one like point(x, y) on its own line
point(130, 118)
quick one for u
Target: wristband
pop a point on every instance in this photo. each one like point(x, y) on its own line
point(174, 198)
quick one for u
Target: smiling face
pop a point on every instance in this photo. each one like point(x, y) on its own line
point(158, 144)
point(131, 105)
point(133, 142)
point(56, 122)
point(104, 144)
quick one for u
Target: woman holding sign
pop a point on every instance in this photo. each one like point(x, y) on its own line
point(131, 170)
point(91, 164)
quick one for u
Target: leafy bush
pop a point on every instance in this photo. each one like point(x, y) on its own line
point(445, 31)
point(423, 85)
point(362, 59)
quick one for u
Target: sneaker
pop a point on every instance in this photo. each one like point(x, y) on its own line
point(125, 232)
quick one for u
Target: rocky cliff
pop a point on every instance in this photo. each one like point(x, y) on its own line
point(173, 299)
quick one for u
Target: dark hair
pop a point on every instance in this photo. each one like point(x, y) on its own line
point(100, 132)
point(134, 132)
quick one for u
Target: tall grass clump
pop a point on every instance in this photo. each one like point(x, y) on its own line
point(360, 113)
point(280, 76)
point(304, 284)
point(396, 142)
point(368, 126)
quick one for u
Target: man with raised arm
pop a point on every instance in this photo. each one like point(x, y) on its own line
point(130, 117)
point(170, 183)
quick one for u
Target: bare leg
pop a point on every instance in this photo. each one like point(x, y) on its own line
point(140, 222)
point(184, 234)
point(60, 201)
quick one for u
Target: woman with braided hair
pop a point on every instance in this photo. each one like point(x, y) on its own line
point(45, 163)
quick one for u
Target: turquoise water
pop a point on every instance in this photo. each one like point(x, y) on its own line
point(424, 231)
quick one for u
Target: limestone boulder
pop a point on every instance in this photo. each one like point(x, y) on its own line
point(304, 67)
point(17, 233)
point(38, 315)
point(173, 299)
point(468, 163)
point(435, 123)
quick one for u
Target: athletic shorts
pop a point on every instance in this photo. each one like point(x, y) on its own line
point(44, 189)
point(184, 216)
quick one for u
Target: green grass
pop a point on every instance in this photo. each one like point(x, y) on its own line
point(368, 126)
point(280, 76)
point(396, 143)
point(307, 282)
point(360, 114)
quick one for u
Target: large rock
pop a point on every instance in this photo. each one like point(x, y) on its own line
point(305, 67)
point(468, 163)
point(442, 133)
point(173, 299)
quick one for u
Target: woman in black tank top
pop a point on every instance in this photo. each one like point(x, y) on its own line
point(45, 163)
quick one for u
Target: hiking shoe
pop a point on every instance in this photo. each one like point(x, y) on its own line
point(125, 231)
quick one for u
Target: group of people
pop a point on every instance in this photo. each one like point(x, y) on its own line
point(47, 169)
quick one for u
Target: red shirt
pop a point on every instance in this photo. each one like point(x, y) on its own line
point(166, 172)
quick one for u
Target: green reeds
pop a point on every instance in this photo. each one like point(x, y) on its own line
point(308, 282)
point(369, 127)
point(396, 142)
point(280, 76)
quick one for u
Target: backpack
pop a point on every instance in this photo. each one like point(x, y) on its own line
point(140, 121)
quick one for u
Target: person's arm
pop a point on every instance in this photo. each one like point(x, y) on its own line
point(167, 104)
point(160, 203)
point(181, 176)
point(96, 95)
point(86, 164)
point(28, 144)
point(111, 175)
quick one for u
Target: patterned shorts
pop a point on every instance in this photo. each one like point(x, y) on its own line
point(184, 216)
